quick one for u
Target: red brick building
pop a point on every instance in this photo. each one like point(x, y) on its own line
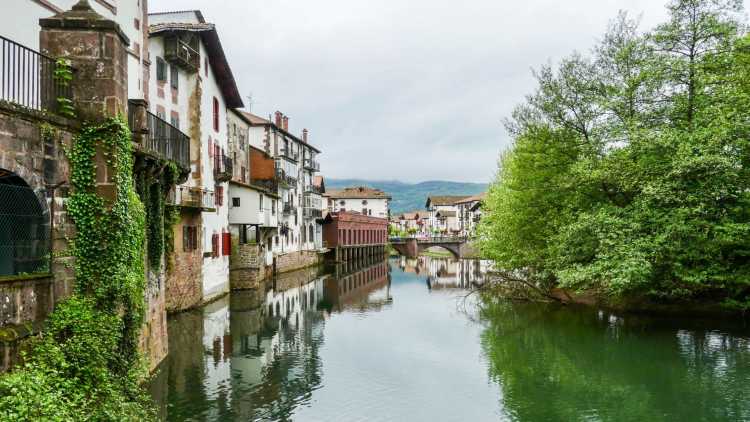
point(353, 235)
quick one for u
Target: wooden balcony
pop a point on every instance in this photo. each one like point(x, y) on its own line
point(181, 53)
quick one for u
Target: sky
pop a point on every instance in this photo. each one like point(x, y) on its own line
point(409, 90)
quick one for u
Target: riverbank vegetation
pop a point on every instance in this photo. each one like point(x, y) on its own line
point(628, 175)
point(86, 364)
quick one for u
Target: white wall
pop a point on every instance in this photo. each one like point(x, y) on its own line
point(249, 210)
point(376, 207)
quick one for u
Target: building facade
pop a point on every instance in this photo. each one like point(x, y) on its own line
point(362, 199)
point(351, 235)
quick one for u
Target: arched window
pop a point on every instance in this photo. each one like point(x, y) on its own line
point(24, 228)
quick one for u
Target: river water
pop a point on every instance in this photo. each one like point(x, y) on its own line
point(399, 340)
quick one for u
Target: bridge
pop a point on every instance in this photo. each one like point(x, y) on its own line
point(411, 247)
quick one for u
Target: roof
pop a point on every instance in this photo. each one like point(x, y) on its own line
point(219, 64)
point(475, 198)
point(357, 192)
point(444, 199)
point(412, 215)
point(255, 120)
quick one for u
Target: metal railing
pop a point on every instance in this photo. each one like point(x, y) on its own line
point(289, 209)
point(287, 153)
point(162, 140)
point(270, 185)
point(433, 239)
point(223, 168)
point(24, 231)
point(283, 177)
point(191, 197)
point(311, 164)
point(27, 78)
point(309, 212)
point(181, 54)
point(314, 189)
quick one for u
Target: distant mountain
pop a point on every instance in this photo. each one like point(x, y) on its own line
point(408, 196)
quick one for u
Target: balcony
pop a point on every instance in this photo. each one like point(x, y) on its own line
point(285, 179)
point(311, 189)
point(223, 168)
point(156, 137)
point(289, 209)
point(310, 213)
point(289, 154)
point(269, 185)
point(182, 54)
point(191, 197)
point(27, 78)
point(311, 164)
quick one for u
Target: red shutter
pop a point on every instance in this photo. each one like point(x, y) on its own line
point(226, 244)
point(219, 196)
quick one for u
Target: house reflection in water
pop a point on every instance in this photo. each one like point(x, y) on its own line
point(447, 273)
point(255, 355)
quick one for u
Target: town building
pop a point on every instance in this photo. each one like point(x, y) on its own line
point(193, 88)
point(299, 241)
point(351, 235)
point(469, 212)
point(443, 213)
point(362, 199)
point(414, 222)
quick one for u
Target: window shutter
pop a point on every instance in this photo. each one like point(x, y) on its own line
point(174, 78)
point(227, 244)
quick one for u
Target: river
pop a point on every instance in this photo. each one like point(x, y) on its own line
point(400, 340)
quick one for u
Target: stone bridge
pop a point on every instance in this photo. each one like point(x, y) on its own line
point(412, 247)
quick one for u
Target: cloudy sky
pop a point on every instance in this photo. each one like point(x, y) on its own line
point(410, 90)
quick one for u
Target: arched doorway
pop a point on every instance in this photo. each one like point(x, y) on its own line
point(24, 228)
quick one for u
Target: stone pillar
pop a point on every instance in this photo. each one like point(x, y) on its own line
point(97, 50)
point(412, 248)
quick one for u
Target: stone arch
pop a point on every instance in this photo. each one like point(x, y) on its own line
point(447, 247)
point(24, 227)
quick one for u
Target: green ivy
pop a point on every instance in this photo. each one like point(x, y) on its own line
point(86, 364)
point(63, 74)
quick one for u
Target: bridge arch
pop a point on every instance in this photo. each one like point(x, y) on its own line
point(447, 247)
point(24, 227)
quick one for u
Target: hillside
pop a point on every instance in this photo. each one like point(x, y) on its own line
point(411, 196)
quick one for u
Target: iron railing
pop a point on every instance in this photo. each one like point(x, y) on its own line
point(289, 209)
point(162, 140)
point(311, 164)
point(191, 197)
point(270, 185)
point(285, 178)
point(289, 154)
point(314, 189)
point(309, 212)
point(27, 78)
point(24, 231)
point(223, 168)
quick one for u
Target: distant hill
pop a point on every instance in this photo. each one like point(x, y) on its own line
point(411, 196)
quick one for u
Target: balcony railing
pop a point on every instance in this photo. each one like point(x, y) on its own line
point(180, 53)
point(27, 78)
point(223, 168)
point(161, 139)
point(314, 189)
point(191, 197)
point(311, 164)
point(289, 154)
point(312, 213)
point(289, 209)
point(269, 185)
point(285, 178)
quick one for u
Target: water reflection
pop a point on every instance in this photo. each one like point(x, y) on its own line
point(385, 341)
point(557, 363)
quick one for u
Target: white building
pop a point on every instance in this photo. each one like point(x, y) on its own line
point(469, 212)
point(295, 168)
point(192, 87)
point(443, 213)
point(362, 199)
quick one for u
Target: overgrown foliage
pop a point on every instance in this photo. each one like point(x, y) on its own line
point(629, 170)
point(86, 364)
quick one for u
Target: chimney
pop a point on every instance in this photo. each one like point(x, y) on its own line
point(304, 135)
point(278, 118)
point(286, 123)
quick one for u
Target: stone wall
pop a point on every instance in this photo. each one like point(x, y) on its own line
point(184, 279)
point(297, 260)
point(246, 267)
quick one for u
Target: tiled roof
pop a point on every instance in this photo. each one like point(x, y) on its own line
point(318, 181)
point(359, 192)
point(474, 198)
point(255, 120)
point(445, 199)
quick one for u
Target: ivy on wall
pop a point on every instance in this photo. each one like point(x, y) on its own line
point(86, 364)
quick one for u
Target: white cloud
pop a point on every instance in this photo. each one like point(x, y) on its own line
point(402, 89)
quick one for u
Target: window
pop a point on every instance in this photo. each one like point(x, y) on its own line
point(342, 203)
point(273, 207)
point(161, 114)
point(189, 238)
point(205, 65)
point(260, 202)
point(174, 76)
point(235, 202)
point(216, 114)
point(175, 120)
point(312, 233)
point(161, 70)
point(364, 211)
point(215, 245)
